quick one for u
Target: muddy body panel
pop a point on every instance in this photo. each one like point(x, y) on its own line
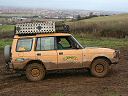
point(58, 59)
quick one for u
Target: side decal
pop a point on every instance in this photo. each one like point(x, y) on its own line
point(70, 58)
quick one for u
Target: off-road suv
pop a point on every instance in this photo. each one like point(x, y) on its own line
point(37, 48)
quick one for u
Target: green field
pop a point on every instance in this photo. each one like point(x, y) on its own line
point(6, 28)
point(103, 42)
point(4, 42)
point(6, 31)
point(87, 42)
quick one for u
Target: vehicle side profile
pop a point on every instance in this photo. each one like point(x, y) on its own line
point(35, 54)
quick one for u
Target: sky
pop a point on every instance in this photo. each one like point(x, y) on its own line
point(106, 5)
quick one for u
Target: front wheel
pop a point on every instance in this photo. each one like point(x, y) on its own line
point(35, 72)
point(100, 67)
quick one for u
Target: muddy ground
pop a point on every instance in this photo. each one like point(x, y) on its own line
point(68, 83)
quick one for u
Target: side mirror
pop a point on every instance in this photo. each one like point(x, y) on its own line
point(77, 46)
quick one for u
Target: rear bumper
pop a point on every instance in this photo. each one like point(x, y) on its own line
point(8, 66)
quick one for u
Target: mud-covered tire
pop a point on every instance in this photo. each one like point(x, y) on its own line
point(100, 67)
point(35, 72)
point(7, 53)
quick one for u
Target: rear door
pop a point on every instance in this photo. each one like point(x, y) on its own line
point(45, 51)
point(23, 48)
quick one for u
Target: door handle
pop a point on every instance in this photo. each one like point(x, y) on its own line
point(60, 53)
point(38, 54)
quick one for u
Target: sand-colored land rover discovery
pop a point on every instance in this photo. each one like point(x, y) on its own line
point(37, 48)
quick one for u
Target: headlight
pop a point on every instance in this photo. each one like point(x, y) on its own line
point(116, 54)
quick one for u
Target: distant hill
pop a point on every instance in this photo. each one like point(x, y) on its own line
point(106, 26)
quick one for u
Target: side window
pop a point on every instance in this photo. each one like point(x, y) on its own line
point(63, 43)
point(66, 42)
point(24, 45)
point(45, 43)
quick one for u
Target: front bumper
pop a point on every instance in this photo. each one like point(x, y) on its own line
point(116, 58)
point(115, 61)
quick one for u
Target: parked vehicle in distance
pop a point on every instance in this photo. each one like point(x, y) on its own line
point(37, 48)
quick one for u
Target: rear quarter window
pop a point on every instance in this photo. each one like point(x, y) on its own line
point(24, 45)
point(45, 43)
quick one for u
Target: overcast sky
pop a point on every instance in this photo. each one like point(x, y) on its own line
point(106, 5)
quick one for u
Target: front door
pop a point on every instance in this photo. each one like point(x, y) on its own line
point(69, 55)
point(45, 51)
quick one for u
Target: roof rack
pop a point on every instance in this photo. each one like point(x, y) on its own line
point(30, 28)
point(35, 28)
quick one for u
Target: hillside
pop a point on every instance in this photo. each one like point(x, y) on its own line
point(90, 32)
point(107, 18)
point(107, 26)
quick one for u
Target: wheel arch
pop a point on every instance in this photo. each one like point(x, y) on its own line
point(102, 57)
point(34, 61)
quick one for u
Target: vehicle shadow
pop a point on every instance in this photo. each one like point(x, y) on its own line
point(49, 75)
point(67, 73)
point(57, 74)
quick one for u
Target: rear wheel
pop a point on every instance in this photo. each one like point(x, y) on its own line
point(100, 67)
point(35, 72)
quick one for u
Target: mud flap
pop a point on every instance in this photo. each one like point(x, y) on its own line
point(8, 69)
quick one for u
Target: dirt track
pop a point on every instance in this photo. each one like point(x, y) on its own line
point(71, 83)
